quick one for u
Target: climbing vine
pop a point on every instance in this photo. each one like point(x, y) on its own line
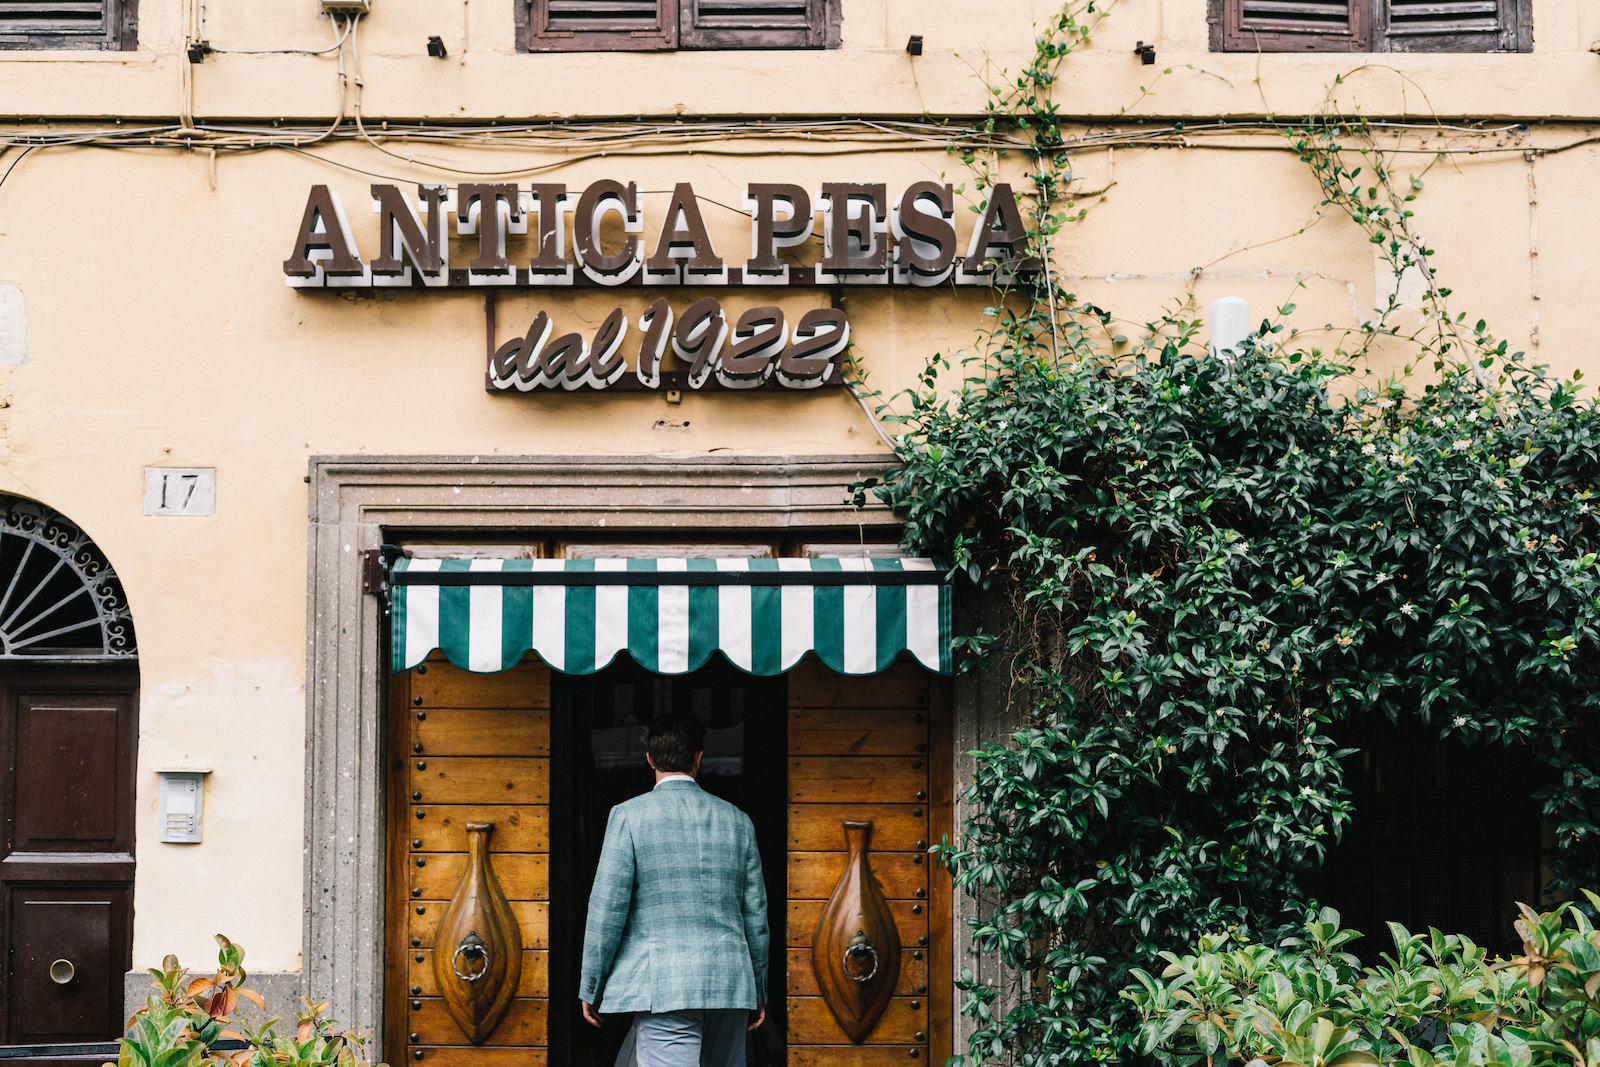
point(1198, 570)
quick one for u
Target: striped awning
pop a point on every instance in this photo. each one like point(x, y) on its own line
point(669, 615)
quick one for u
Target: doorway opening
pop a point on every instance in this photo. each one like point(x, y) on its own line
point(68, 742)
point(597, 736)
point(1409, 856)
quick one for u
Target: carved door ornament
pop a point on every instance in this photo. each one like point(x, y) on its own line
point(477, 953)
point(855, 952)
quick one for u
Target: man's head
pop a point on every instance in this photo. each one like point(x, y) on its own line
point(675, 742)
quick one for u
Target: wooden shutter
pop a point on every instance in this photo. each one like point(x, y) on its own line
point(758, 23)
point(1295, 25)
point(1454, 26)
point(600, 25)
point(104, 24)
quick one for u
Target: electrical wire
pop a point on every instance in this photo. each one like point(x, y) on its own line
point(14, 163)
point(350, 22)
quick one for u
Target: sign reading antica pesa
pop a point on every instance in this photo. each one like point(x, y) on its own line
point(547, 236)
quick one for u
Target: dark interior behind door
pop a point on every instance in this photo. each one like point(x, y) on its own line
point(597, 749)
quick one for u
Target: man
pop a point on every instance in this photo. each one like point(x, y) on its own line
point(677, 930)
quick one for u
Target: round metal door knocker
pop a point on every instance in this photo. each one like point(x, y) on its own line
point(62, 972)
point(475, 953)
point(860, 958)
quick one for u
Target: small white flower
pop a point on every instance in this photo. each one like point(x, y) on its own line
point(1385, 403)
point(1461, 444)
point(1368, 449)
point(1395, 457)
point(1183, 390)
point(1461, 720)
point(1408, 609)
point(1437, 421)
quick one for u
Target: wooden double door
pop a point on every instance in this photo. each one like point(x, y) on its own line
point(68, 739)
point(544, 758)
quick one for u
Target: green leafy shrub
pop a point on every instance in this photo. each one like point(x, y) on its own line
point(1437, 999)
point(184, 1018)
point(183, 1023)
point(1203, 567)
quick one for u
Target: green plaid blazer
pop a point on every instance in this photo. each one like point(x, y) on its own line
point(678, 915)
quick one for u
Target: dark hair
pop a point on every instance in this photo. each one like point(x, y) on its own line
point(674, 740)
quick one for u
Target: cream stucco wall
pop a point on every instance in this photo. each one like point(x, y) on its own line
point(161, 333)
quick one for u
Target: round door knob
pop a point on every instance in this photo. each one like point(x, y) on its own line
point(62, 972)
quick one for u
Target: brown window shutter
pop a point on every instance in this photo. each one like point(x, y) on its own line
point(600, 25)
point(1296, 25)
point(758, 23)
point(1454, 25)
point(103, 24)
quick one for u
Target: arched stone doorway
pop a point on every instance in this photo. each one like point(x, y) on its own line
point(68, 744)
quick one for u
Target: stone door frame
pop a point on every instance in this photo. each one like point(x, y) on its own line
point(353, 500)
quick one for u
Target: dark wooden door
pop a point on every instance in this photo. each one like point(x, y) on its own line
point(68, 739)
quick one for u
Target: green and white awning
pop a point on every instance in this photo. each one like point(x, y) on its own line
point(669, 615)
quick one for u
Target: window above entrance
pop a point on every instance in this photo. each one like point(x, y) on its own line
point(1371, 25)
point(666, 25)
point(103, 24)
point(669, 615)
point(59, 597)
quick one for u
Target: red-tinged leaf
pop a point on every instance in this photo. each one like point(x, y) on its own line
point(253, 997)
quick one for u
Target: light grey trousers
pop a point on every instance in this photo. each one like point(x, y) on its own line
point(700, 1037)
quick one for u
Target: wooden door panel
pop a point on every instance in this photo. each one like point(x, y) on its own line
point(466, 748)
point(479, 780)
point(869, 749)
point(533, 920)
point(522, 1025)
point(895, 827)
point(853, 1055)
point(533, 983)
point(522, 875)
point(438, 684)
point(864, 780)
point(812, 875)
point(813, 685)
point(67, 791)
point(468, 1056)
point(904, 1022)
point(87, 928)
point(804, 914)
point(858, 732)
point(913, 973)
point(481, 732)
point(68, 737)
point(443, 827)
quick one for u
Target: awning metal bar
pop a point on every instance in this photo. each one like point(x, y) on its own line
point(657, 578)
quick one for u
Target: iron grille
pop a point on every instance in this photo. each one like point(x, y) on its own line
point(60, 596)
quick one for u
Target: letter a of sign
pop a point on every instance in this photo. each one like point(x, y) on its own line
point(324, 251)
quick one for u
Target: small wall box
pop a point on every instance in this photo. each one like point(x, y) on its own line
point(182, 805)
point(346, 7)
